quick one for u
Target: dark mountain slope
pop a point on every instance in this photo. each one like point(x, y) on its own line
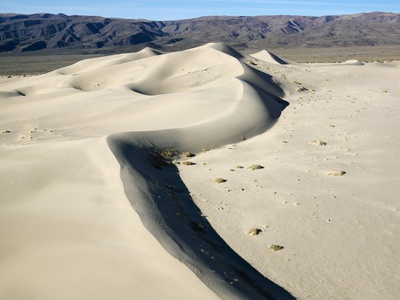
point(46, 32)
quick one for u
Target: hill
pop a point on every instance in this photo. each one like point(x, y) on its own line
point(92, 34)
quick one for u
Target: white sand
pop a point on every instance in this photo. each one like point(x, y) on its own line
point(67, 226)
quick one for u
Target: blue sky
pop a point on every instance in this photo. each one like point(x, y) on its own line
point(173, 10)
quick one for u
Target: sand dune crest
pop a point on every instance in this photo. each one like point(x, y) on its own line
point(269, 57)
point(211, 96)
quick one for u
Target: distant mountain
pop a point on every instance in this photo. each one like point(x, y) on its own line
point(50, 32)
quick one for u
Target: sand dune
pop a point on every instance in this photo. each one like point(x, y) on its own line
point(83, 145)
point(269, 57)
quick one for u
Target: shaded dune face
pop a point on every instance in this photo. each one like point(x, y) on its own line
point(269, 57)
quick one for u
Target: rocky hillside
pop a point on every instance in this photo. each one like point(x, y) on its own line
point(40, 32)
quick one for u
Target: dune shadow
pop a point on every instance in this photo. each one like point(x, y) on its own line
point(163, 202)
point(157, 193)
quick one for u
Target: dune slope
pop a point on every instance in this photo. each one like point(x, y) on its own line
point(142, 103)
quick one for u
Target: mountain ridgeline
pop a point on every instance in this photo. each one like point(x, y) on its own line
point(54, 32)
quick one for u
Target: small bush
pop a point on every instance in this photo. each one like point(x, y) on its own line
point(220, 180)
point(336, 173)
point(255, 167)
point(254, 231)
point(188, 154)
point(302, 89)
point(275, 248)
point(159, 158)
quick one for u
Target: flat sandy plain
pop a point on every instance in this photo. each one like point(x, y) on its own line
point(176, 175)
point(36, 63)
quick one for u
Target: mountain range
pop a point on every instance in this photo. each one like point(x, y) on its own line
point(93, 34)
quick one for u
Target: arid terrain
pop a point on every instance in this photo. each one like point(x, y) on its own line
point(206, 173)
point(210, 158)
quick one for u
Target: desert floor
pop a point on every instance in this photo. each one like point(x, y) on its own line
point(108, 174)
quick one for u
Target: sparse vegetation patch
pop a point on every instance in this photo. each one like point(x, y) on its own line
point(275, 248)
point(302, 89)
point(336, 173)
point(159, 158)
point(255, 167)
point(220, 180)
point(188, 154)
point(254, 231)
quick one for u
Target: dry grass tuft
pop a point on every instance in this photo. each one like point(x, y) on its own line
point(254, 231)
point(159, 158)
point(275, 248)
point(302, 89)
point(255, 167)
point(336, 173)
point(220, 180)
point(188, 163)
point(188, 154)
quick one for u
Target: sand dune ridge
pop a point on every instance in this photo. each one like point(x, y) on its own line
point(253, 111)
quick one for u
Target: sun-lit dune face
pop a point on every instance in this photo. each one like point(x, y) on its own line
point(156, 74)
point(210, 84)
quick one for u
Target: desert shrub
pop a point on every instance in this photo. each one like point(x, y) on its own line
point(255, 167)
point(220, 180)
point(336, 173)
point(159, 158)
point(188, 154)
point(275, 248)
point(302, 89)
point(254, 231)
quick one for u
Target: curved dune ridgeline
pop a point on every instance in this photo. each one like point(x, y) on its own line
point(163, 202)
point(144, 104)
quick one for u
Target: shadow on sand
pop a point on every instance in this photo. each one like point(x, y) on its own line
point(165, 206)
